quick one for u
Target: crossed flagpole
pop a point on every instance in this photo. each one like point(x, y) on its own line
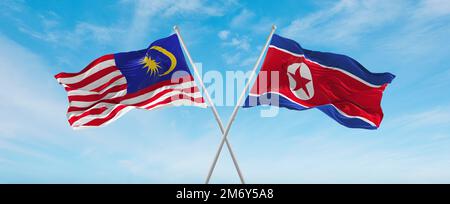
point(225, 131)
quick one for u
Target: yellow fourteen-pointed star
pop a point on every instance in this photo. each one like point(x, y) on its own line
point(151, 65)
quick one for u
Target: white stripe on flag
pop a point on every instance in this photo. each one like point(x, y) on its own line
point(100, 81)
point(112, 107)
point(137, 99)
point(80, 92)
point(75, 79)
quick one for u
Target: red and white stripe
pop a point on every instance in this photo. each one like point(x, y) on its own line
point(98, 94)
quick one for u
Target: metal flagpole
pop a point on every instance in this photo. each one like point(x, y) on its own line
point(238, 104)
point(213, 107)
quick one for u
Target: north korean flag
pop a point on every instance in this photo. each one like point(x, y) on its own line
point(336, 84)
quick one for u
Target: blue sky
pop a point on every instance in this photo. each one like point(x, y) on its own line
point(176, 145)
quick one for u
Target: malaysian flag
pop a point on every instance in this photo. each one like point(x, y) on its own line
point(113, 84)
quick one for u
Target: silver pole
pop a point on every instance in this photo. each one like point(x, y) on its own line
point(213, 107)
point(238, 104)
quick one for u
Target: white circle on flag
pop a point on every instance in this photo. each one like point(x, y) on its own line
point(300, 81)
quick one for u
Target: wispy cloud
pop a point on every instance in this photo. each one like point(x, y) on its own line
point(240, 49)
point(240, 43)
point(48, 27)
point(9, 7)
point(28, 107)
point(433, 8)
point(242, 19)
point(151, 12)
point(345, 21)
point(425, 26)
point(127, 31)
point(432, 117)
point(173, 7)
point(13, 75)
point(82, 33)
point(240, 52)
point(223, 34)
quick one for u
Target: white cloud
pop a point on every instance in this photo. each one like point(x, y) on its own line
point(232, 58)
point(22, 94)
point(223, 34)
point(239, 59)
point(82, 33)
point(242, 19)
point(439, 81)
point(250, 60)
point(49, 19)
point(151, 12)
point(128, 31)
point(423, 29)
point(169, 8)
point(240, 43)
point(345, 21)
point(433, 8)
point(99, 33)
point(432, 117)
point(29, 109)
point(167, 164)
point(239, 53)
point(404, 28)
point(9, 6)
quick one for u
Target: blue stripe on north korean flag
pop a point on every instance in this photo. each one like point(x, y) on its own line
point(334, 61)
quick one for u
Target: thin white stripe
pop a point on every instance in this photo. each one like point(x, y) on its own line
point(75, 79)
point(258, 95)
point(79, 92)
point(137, 99)
point(286, 51)
point(181, 102)
point(83, 104)
point(171, 94)
point(117, 116)
point(340, 111)
point(148, 95)
point(184, 102)
point(89, 118)
point(104, 79)
point(333, 68)
point(358, 117)
point(111, 107)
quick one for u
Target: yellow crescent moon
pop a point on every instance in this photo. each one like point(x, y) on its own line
point(173, 60)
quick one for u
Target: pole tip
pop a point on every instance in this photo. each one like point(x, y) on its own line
point(274, 27)
point(175, 27)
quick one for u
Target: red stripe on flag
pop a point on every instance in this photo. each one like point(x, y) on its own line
point(95, 97)
point(92, 64)
point(107, 84)
point(100, 121)
point(186, 78)
point(118, 100)
point(93, 77)
point(94, 111)
point(168, 100)
point(158, 95)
